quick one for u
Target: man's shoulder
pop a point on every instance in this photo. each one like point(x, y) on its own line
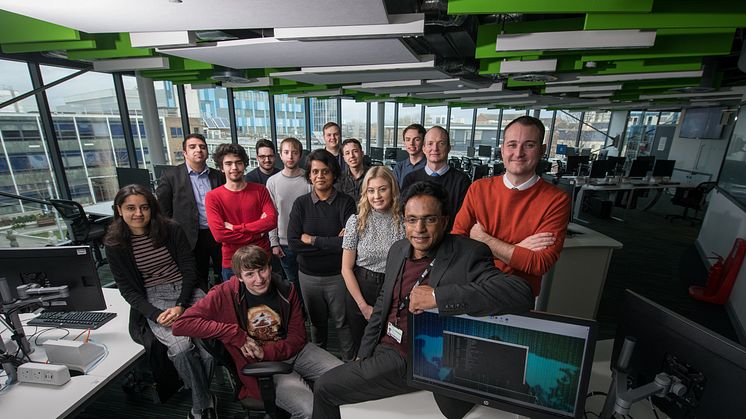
point(552, 191)
point(463, 245)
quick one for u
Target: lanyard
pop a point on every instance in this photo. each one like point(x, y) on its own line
point(404, 302)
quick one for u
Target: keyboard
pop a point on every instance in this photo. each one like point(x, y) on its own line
point(72, 319)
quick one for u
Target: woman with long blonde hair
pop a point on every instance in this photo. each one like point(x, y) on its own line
point(367, 239)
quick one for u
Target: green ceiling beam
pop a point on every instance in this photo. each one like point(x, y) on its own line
point(546, 6)
point(516, 83)
point(48, 46)
point(120, 48)
point(22, 29)
point(664, 20)
point(645, 66)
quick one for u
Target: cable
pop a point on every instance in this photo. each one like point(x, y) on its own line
point(36, 339)
point(652, 407)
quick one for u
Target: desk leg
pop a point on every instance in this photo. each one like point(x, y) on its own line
point(578, 203)
point(658, 194)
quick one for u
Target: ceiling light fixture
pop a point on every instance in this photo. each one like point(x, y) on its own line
point(575, 40)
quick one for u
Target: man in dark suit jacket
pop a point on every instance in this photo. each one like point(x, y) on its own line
point(181, 194)
point(429, 269)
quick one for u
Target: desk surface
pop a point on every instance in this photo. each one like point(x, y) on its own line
point(422, 405)
point(585, 237)
point(41, 401)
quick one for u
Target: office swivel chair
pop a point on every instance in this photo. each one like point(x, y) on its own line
point(454, 162)
point(80, 229)
point(262, 371)
point(691, 198)
point(480, 171)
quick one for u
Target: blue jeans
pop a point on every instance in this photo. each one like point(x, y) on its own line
point(227, 274)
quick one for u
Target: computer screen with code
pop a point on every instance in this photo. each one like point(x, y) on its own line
point(536, 365)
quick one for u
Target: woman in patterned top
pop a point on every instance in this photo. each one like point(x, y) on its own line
point(154, 268)
point(367, 239)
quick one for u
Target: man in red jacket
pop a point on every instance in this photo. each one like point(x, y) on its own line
point(258, 317)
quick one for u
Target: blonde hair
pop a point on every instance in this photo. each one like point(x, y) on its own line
point(363, 206)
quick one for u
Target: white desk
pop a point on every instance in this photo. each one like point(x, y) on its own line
point(421, 405)
point(621, 187)
point(41, 401)
point(574, 285)
point(101, 209)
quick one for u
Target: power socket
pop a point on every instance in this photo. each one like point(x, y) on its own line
point(32, 372)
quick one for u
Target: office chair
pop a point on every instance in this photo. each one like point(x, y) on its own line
point(498, 169)
point(81, 229)
point(467, 166)
point(480, 171)
point(691, 198)
point(262, 371)
point(374, 162)
point(454, 162)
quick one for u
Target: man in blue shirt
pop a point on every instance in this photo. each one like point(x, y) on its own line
point(181, 194)
point(413, 136)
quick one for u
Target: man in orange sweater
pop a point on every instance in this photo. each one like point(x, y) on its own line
point(522, 218)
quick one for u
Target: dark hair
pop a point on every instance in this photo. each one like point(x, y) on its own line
point(190, 136)
point(294, 141)
point(352, 141)
point(427, 188)
point(329, 125)
point(264, 143)
point(325, 157)
point(420, 130)
point(438, 127)
point(118, 234)
point(529, 121)
point(228, 148)
point(249, 258)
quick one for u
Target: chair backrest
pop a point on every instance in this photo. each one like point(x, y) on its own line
point(78, 225)
point(222, 358)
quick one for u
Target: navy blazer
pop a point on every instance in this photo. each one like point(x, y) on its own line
point(176, 198)
point(465, 280)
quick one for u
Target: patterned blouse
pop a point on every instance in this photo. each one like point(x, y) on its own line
point(373, 244)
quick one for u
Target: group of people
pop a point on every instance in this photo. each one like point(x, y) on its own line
point(333, 241)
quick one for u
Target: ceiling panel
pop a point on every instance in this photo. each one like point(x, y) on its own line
point(271, 52)
point(102, 16)
point(365, 73)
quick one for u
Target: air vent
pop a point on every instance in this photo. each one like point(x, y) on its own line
point(533, 77)
point(229, 75)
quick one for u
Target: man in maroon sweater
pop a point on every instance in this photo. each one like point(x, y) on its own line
point(258, 317)
point(239, 213)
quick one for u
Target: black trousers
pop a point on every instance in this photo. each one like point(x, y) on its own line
point(370, 284)
point(207, 255)
point(383, 374)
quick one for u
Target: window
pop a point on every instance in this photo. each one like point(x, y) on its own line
point(460, 130)
point(354, 120)
point(291, 119)
point(485, 134)
point(592, 138)
point(408, 115)
point(566, 127)
point(252, 117)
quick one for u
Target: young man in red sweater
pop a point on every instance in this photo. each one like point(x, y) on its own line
point(522, 218)
point(239, 213)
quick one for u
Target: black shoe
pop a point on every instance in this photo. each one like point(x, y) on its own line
point(209, 413)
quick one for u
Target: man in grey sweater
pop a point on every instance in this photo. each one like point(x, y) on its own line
point(284, 187)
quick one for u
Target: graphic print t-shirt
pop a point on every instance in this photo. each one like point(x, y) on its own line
point(263, 320)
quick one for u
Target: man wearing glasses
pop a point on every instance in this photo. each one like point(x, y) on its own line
point(429, 269)
point(265, 156)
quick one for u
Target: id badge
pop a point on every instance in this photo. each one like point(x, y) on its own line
point(394, 332)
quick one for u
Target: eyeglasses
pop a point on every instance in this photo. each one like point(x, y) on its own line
point(428, 219)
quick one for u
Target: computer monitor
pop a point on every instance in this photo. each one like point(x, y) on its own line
point(640, 168)
point(376, 153)
point(73, 266)
point(561, 149)
point(711, 368)
point(615, 164)
point(649, 159)
point(536, 365)
point(574, 163)
point(485, 151)
point(599, 168)
point(401, 154)
point(663, 168)
point(131, 176)
point(470, 151)
point(158, 170)
point(571, 151)
point(390, 153)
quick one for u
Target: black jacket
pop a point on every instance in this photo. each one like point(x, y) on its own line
point(465, 280)
point(176, 198)
point(130, 282)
